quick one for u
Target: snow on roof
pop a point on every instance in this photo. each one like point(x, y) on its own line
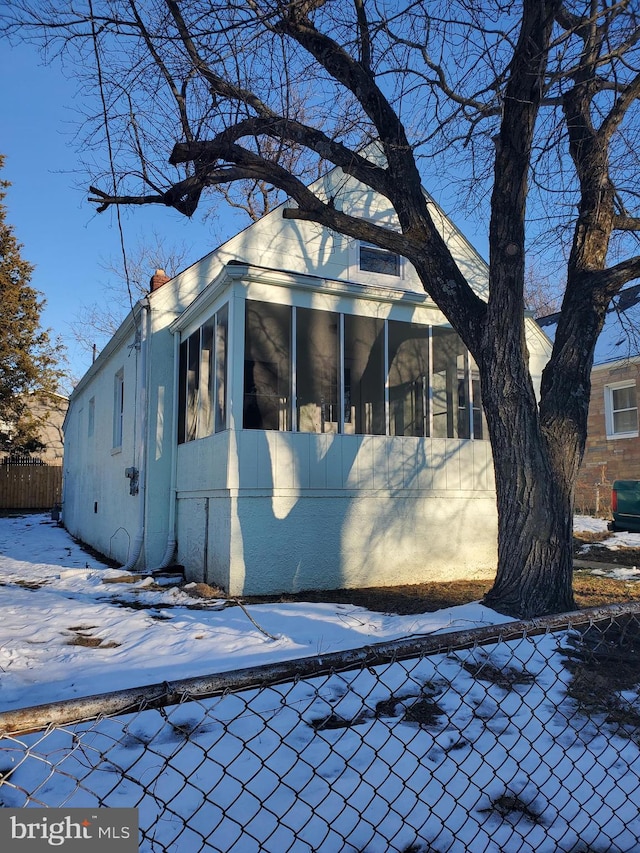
point(620, 336)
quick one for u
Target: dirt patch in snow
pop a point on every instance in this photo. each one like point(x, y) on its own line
point(589, 590)
point(604, 660)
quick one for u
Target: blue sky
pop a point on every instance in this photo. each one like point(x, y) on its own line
point(62, 235)
point(47, 202)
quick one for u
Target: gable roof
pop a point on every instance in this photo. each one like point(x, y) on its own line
point(298, 248)
point(302, 247)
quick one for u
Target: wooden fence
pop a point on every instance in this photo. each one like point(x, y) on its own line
point(30, 486)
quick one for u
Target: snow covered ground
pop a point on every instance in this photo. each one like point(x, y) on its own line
point(55, 604)
point(588, 524)
point(613, 543)
point(481, 750)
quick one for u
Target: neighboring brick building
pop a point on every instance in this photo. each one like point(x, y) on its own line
point(47, 410)
point(613, 444)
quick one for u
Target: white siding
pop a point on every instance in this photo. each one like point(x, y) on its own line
point(262, 511)
point(318, 511)
point(98, 508)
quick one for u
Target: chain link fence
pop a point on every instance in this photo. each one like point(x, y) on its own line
point(510, 738)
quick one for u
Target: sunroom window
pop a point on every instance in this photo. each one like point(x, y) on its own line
point(323, 372)
point(408, 379)
point(363, 376)
point(450, 391)
point(267, 366)
point(202, 392)
point(219, 387)
point(317, 358)
point(479, 420)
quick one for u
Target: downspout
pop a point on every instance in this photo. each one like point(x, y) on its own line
point(141, 438)
point(170, 550)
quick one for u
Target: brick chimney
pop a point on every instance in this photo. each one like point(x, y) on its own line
point(158, 279)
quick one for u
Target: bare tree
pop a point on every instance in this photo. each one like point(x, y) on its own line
point(127, 282)
point(534, 103)
point(542, 291)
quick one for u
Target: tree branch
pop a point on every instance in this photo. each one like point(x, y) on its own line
point(624, 222)
point(287, 130)
point(630, 93)
point(522, 100)
point(613, 278)
point(183, 196)
point(179, 95)
point(352, 75)
point(218, 85)
point(365, 37)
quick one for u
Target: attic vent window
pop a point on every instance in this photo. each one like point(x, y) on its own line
point(375, 259)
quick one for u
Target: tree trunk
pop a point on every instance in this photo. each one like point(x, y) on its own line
point(535, 534)
point(535, 472)
point(534, 488)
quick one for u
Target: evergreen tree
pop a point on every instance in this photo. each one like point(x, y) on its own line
point(29, 360)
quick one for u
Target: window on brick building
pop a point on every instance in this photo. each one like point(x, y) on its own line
point(621, 410)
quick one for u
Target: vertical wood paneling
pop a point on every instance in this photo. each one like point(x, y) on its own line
point(30, 486)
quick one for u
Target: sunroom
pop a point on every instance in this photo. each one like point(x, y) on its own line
point(318, 371)
point(330, 434)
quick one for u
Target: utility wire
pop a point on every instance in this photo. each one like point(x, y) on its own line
point(105, 118)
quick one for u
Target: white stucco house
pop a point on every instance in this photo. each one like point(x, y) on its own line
point(291, 412)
